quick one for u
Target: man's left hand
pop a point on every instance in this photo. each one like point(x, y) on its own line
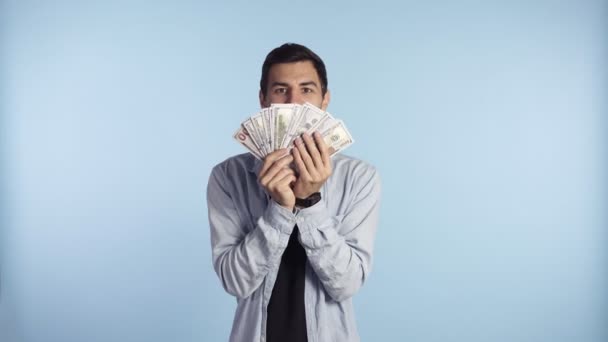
point(313, 164)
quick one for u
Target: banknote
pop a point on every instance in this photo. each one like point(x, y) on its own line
point(260, 136)
point(308, 119)
point(249, 126)
point(277, 127)
point(266, 129)
point(242, 136)
point(337, 137)
point(282, 115)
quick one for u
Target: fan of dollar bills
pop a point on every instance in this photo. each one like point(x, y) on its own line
point(279, 125)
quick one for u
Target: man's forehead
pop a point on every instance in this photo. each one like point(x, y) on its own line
point(301, 71)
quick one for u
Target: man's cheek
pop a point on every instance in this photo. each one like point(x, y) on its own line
point(315, 100)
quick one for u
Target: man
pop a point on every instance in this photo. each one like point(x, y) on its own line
point(292, 236)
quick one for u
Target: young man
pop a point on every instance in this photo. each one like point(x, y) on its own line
point(293, 245)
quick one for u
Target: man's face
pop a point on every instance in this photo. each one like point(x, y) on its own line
point(296, 82)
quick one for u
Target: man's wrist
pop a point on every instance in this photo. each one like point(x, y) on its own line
point(308, 201)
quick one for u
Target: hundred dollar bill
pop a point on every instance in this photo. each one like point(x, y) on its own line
point(290, 130)
point(258, 124)
point(280, 124)
point(253, 133)
point(324, 124)
point(268, 128)
point(283, 114)
point(243, 137)
point(337, 137)
point(309, 117)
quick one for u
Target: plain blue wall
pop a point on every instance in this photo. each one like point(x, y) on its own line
point(486, 120)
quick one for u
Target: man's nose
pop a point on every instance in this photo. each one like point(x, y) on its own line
point(295, 97)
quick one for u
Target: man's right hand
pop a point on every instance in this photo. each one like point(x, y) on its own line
point(276, 177)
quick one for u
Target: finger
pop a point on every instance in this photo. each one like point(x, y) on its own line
point(309, 164)
point(276, 180)
point(271, 158)
point(277, 166)
point(285, 182)
point(313, 150)
point(297, 158)
point(280, 175)
point(283, 186)
point(323, 149)
point(290, 181)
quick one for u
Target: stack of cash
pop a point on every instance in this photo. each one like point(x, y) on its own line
point(279, 125)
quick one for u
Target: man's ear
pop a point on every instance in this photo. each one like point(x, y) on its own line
point(262, 99)
point(325, 102)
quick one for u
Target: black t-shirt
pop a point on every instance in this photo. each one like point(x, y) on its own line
point(286, 315)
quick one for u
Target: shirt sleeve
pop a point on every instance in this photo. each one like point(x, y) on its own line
point(343, 261)
point(242, 259)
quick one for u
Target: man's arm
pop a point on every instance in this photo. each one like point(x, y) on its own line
point(341, 262)
point(240, 259)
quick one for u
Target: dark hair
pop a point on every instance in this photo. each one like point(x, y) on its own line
point(291, 53)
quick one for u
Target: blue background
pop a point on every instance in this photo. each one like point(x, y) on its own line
point(487, 121)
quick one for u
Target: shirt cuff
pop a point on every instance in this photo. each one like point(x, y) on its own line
point(280, 218)
point(312, 217)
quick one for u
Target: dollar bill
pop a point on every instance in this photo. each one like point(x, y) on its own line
point(283, 114)
point(279, 125)
point(337, 137)
point(249, 125)
point(287, 141)
point(266, 114)
point(258, 127)
point(242, 136)
point(308, 119)
point(325, 123)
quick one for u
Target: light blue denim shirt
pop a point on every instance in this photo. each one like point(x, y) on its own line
point(249, 232)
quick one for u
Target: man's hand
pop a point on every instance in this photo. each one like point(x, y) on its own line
point(276, 178)
point(313, 164)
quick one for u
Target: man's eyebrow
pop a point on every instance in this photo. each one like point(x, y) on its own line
point(282, 84)
point(301, 84)
point(309, 83)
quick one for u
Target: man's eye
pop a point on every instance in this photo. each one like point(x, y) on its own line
point(307, 90)
point(280, 90)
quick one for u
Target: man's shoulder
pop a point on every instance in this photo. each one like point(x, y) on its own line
point(345, 163)
point(238, 163)
point(353, 170)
